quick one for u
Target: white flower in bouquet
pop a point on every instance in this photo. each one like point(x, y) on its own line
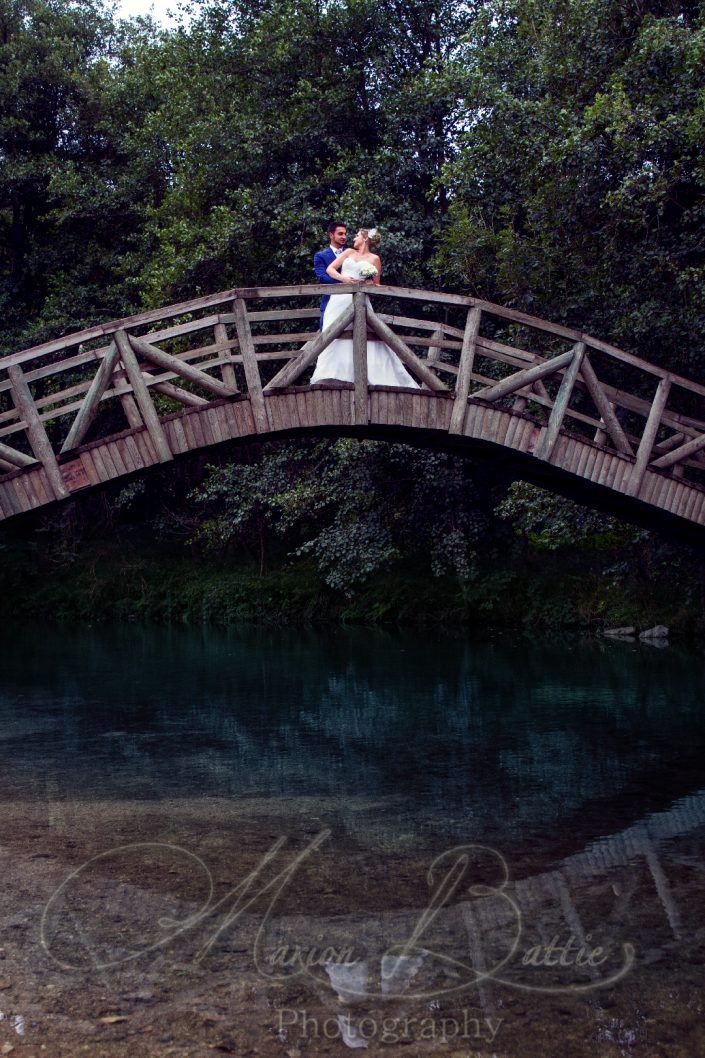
point(367, 270)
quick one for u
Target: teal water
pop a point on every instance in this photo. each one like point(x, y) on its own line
point(575, 766)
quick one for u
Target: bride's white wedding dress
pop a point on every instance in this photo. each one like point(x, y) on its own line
point(384, 368)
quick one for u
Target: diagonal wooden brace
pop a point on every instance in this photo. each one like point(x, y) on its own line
point(560, 404)
point(526, 377)
point(605, 409)
point(648, 437)
point(311, 351)
point(144, 401)
point(16, 459)
point(417, 366)
point(87, 411)
point(167, 362)
point(683, 452)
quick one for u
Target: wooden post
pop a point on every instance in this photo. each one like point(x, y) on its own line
point(249, 360)
point(88, 409)
point(35, 431)
point(227, 371)
point(560, 404)
point(128, 402)
point(648, 437)
point(434, 351)
point(467, 361)
point(360, 357)
point(144, 401)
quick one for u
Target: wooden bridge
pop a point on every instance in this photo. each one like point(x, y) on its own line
point(560, 407)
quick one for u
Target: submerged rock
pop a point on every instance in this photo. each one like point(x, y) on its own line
point(657, 632)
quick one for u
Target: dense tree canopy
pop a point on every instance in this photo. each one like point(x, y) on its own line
point(546, 154)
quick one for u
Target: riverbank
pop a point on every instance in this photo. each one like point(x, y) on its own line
point(131, 579)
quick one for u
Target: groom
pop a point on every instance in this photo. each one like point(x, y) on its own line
point(337, 237)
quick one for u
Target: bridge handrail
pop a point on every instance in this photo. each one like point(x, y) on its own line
point(77, 338)
point(122, 360)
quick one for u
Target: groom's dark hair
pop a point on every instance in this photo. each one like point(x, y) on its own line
point(335, 224)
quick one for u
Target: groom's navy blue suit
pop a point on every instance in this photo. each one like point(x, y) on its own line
point(321, 261)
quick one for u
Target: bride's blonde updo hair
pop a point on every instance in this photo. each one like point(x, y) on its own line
point(372, 235)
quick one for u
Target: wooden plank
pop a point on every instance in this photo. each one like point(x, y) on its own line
point(144, 401)
point(604, 408)
point(417, 366)
point(586, 456)
point(311, 351)
point(146, 452)
point(9, 499)
point(89, 408)
point(648, 437)
point(108, 461)
point(467, 361)
point(36, 434)
point(198, 431)
point(597, 467)
point(180, 444)
point(560, 405)
point(692, 497)
point(226, 431)
point(252, 375)
point(116, 456)
point(89, 467)
point(126, 455)
point(360, 357)
point(187, 423)
point(526, 377)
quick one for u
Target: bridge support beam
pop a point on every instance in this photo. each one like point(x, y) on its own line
point(144, 401)
point(36, 433)
point(88, 409)
point(560, 405)
point(467, 361)
point(361, 400)
point(648, 437)
point(249, 362)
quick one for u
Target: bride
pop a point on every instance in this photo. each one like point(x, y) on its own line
point(384, 368)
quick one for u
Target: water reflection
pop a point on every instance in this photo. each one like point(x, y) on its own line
point(578, 766)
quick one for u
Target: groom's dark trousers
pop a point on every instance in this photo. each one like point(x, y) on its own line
point(320, 263)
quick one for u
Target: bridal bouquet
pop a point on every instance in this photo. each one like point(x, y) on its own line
point(367, 270)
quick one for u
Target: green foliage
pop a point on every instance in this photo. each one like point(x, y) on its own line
point(552, 522)
point(354, 507)
point(578, 189)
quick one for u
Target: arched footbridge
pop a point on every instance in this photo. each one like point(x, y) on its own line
point(556, 405)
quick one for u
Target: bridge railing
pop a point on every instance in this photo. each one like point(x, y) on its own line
point(252, 342)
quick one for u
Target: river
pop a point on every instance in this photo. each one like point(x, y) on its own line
point(309, 841)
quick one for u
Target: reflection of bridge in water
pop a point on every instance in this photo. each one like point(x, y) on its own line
point(563, 408)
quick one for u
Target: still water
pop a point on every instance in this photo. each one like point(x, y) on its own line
point(306, 842)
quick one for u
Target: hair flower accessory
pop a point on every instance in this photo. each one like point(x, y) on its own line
point(371, 232)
